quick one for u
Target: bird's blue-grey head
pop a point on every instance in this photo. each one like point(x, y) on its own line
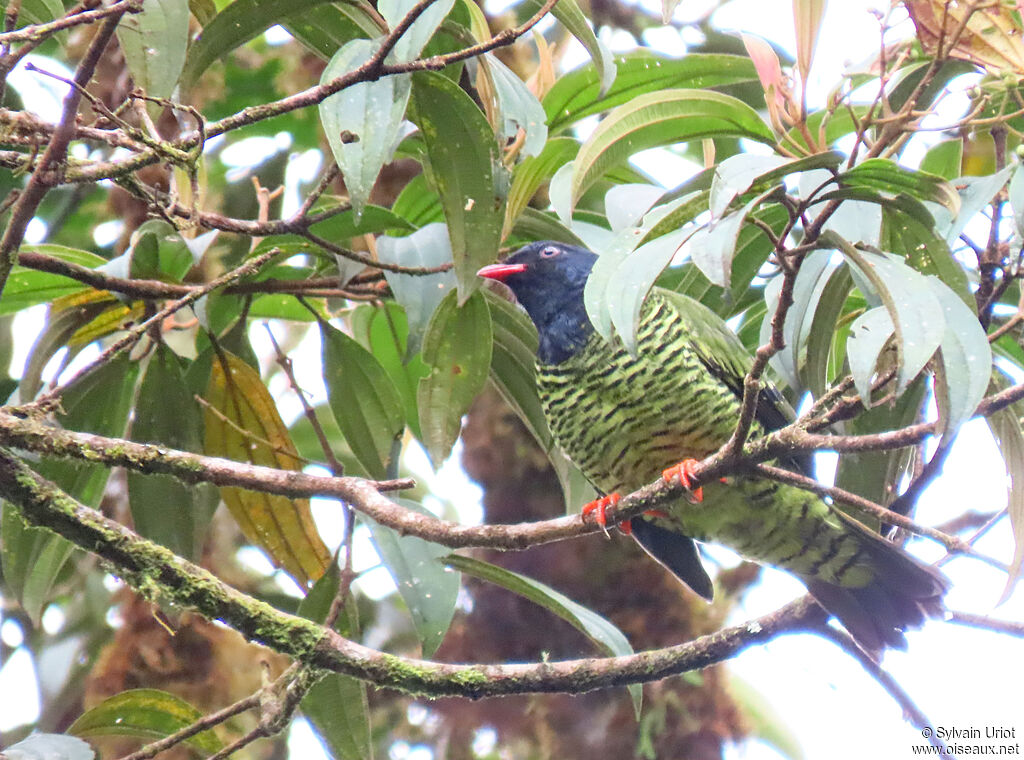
point(548, 278)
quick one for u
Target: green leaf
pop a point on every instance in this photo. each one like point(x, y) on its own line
point(916, 314)
point(811, 280)
point(713, 247)
point(147, 714)
point(763, 717)
point(534, 224)
point(415, 38)
point(463, 158)
point(573, 19)
point(384, 330)
point(868, 336)
point(337, 704)
point(735, 175)
point(1015, 193)
point(662, 118)
point(534, 171)
point(606, 636)
point(37, 11)
point(49, 747)
point(154, 44)
point(238, 23)
point(889, 177)
point(428, 588)
point(966, 361)
point(1006, 428)
point(418, 204)
point(513, 365)
point(975, 194)
point(326, 26)
point(418, 294)
point(27, 287)
point(518, 106)
point(943, 159)
point(364, 400)
point(164, 509)
point(577, 94)
point(814, 371)
point(457, 348)
point(923, 249)
point(158, 252)
point(363, 121)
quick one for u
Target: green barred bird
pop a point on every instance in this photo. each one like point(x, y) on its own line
point(623, 419)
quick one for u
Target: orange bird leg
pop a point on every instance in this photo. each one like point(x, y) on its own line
point(684, 471)
point(600, 507)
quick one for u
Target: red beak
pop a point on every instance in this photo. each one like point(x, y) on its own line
point(501, 271)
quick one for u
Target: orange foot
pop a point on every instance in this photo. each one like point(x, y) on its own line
point(600, 506)
point(684, 471)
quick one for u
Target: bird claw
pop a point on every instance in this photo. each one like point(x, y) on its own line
point(685, 471)
point(600, 507)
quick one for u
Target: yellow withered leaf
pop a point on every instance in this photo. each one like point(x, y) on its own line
point(242, 423)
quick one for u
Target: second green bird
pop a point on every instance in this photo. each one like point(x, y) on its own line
point(623, 419)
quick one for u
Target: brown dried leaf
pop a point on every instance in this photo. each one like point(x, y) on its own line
point(991, 36)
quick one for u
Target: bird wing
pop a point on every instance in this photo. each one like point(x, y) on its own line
point(727, 359)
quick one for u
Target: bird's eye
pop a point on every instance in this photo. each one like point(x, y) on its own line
point(551, 250)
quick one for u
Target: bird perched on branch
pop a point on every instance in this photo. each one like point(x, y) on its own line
point(623, 419)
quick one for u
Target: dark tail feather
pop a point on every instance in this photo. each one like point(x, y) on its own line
point(904, 593)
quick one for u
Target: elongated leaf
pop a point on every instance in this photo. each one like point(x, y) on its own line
point(147, 714)
point(457, 349)
point(943, 159)
point(519, 108)
point(917, 316)
point(242, 423)
point(463, 156)
point(163, 508)
point(539, 225)
point(807, 291)
point(890, 177)
point(577, 94)
point(713, 247)
point(428, 588)
point(531, 173)
point(975, 194)
point(814, 372)
point(572, 18)
point(419, 33)
point(154, 44)
point(418, 204)
point(634, 279)
point(662, 118)
point(602, 289)
point(158, 252)
point(384, 330)
point(513, 365)
point(606, 636)
point(807, 20)
point(926, 251)
point(735, 175)
point(27, 287)
point(868, 336)
point(362, 122)
point(49, 747)
point(966, 360)
point(337, 704)
point(33, 558)
point(37, 11)
point(1006, 427)
point(235, 25)
point(364, 400)
point(418, 294)
point(327, 26)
